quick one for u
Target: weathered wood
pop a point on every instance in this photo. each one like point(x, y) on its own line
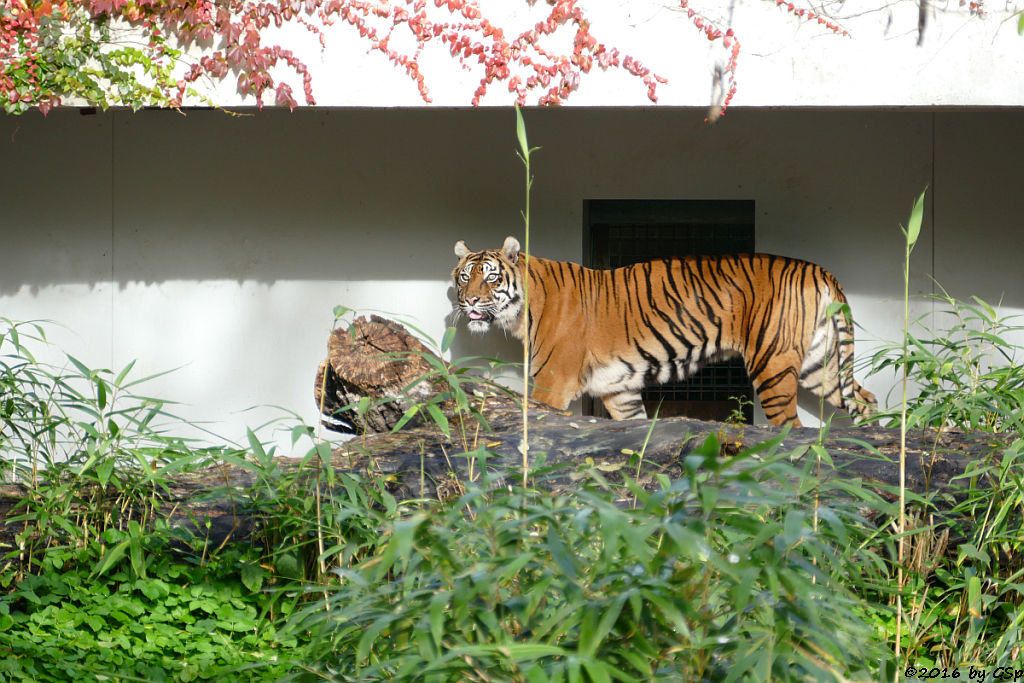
point(421, 462)
point(376, 358)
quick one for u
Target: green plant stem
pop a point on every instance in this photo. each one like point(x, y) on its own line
point(911, 233)
point(526, 337)
point(903, 457)
point(525, 156)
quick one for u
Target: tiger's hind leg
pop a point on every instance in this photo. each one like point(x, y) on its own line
point(776, 386)
point(864, 405)
point(827, 370)
point(846, 395)
point(625, 405)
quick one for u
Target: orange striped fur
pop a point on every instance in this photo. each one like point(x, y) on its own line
point(608, 333)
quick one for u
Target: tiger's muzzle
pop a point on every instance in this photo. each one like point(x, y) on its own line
point(480, 318)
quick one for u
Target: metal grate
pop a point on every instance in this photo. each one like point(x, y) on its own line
point(622, 232)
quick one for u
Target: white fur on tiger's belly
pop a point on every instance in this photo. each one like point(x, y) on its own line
point(615, 378)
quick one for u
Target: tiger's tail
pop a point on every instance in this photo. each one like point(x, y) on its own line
point(828, 365)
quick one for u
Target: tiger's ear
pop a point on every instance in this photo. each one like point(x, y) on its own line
point(461, 249)
point(511, 249)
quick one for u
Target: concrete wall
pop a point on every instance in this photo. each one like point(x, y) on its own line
point(220, 245)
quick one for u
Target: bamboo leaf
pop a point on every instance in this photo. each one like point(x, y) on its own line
point(438, 606)
point(86, 372)
point(135, 548)
point(521, 135)
point(446, 341)
point(596, 671)
point(370, 636)
point(101, 393)
point(104, 470)
point(124, 373)
point(608, 620)
point(113, 556)
point(406, 416)
point(439, 418)
point(913, 230)
point(974, 596)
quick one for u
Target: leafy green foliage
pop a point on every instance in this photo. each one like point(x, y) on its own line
point(966, 367)
point(183, 622)
point(750, 567)
point(313, 519)
point(103, 448)
point(98, 584)
point(717, 575)
point(58, 50)
point(965, 589)
point(180, 622)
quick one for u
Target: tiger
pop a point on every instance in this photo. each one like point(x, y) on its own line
point(609, 333)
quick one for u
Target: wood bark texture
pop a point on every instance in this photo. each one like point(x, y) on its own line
point(377, 358)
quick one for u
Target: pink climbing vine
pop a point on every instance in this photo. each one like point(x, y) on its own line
point(137, 53)
point(727, 75)
point(519, 61)
point(57, 50)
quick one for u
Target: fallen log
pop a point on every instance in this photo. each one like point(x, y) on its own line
point(354, 371)
point(422, 461)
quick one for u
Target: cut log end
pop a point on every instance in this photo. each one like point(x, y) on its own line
point(374, 372)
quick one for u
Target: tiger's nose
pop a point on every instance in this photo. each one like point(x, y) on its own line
point(472, 300)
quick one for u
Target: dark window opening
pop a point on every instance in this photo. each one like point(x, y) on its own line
point(619, 233)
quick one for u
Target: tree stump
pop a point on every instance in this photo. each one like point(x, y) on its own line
point(375, 370)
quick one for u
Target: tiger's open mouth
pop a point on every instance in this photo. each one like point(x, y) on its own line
point(479, 321)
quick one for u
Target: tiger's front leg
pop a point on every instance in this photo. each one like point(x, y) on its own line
point(625, 405)
point(559, 400)
point(554, 389)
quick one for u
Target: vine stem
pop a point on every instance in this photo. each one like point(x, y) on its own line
point(524, 156)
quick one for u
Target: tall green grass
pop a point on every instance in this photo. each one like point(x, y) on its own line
point(96, 583)
point(91, 449)
point(967, 365)
point(753, 566)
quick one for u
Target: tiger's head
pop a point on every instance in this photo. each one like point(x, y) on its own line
point(488, 285)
